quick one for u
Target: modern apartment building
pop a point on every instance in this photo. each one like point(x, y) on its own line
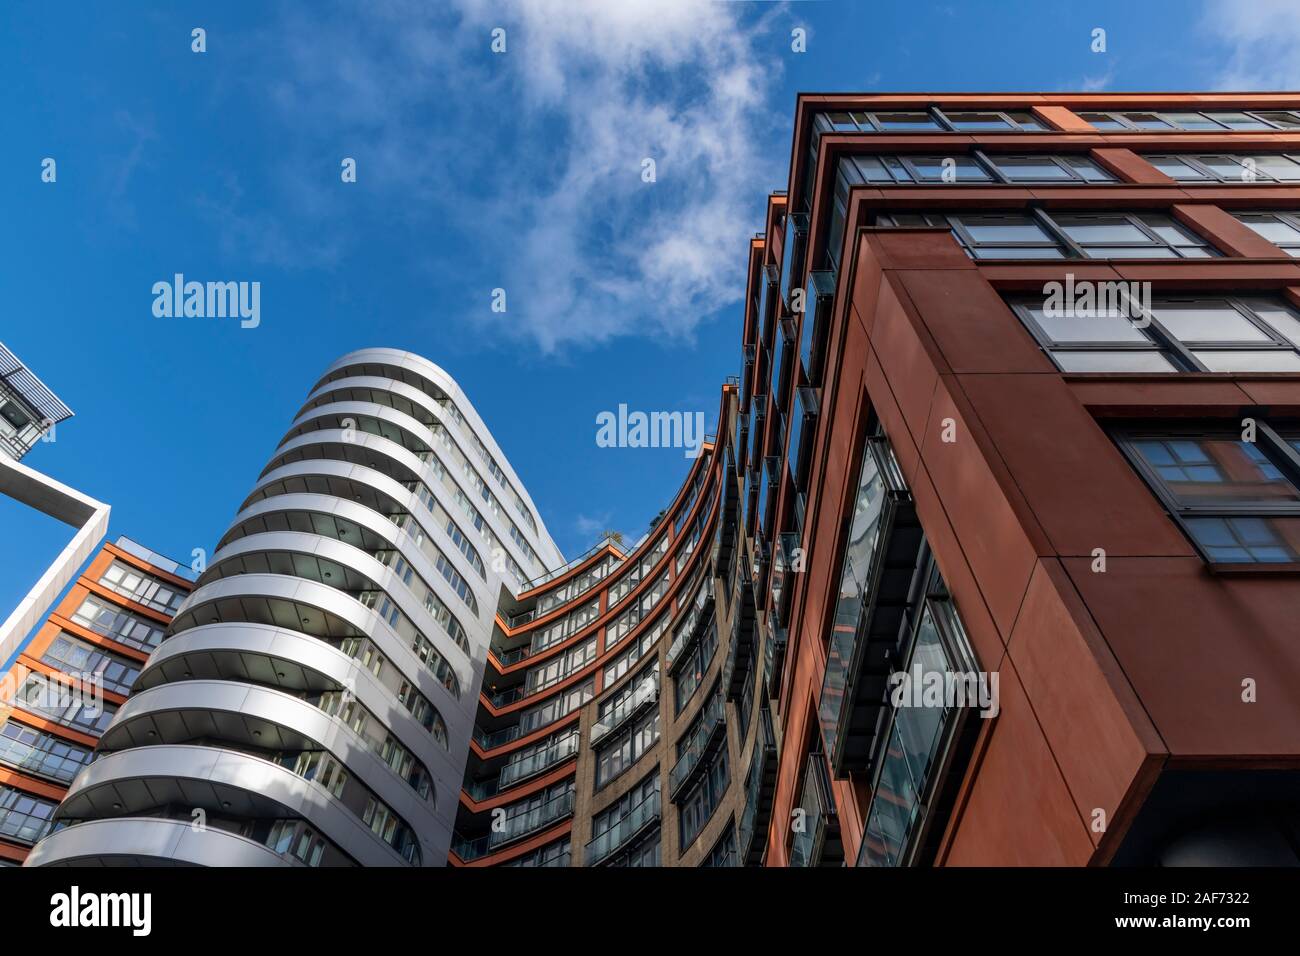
point(313, 701)
point(70, 679)
point(993, 559)
point(1097, 501)
point(1062, 536)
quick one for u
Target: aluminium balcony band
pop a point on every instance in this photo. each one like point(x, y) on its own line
point(151, 840)
point(398, 539)
point(327, 600)
point(198, 649)
point(118, 777)
point(411, 428)
point(158, 706)
point(441, 381)
point(375, 446)
point(383, 577)
point(376, 481)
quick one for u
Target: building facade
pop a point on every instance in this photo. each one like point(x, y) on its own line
point(1033, 418)
point(1003, 521)
point(72, 677)
point(992, 560)
point(314, 699)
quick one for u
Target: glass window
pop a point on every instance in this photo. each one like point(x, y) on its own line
point(1019, 169)
point(1209, 335)
point(1177, 169)
point(1102, 361)
point(1207, 322)
point(1289, 120)
point(1238, 500)
point(1281, 229)
point(978, 121)
point(935, 169)
point(1229, 168)
point(1026, 121)
point(905, 121)
point(1103, 121)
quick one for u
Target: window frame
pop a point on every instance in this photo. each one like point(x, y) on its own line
point(1180, 353)
point(1120, 117)
point(1276, 449)
point(1055, 233)
point(1287, 218)
point(1193, 160)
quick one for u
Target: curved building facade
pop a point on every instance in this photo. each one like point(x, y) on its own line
point(314, 700)
point(623, 719)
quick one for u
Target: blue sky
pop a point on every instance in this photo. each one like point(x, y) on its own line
point(476, 170)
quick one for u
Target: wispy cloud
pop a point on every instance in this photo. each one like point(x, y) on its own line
point(1097, 82)
point(590, 525)
point(1263, 43)
point(536, 156)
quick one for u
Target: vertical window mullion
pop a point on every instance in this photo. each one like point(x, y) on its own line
point(989, 166)
point(937, 115)
point(1284, 454)
point(1170, 342)
point(1056, 232)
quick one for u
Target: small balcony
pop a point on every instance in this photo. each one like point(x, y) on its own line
point(817, 840)
point(759, 794)
point(741, 648)
point(498, 738)
point(639, 819)
point(864, 644)
point(704, 741)
point(539, 761)
point(636, 703)
point(520, 821)
point(774, 646)
point(693, 623)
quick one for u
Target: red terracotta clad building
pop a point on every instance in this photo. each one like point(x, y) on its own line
point(68, 681)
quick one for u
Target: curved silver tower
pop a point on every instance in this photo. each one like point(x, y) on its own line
point(314, 700)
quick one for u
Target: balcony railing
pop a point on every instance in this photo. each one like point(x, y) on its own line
point(522, 618)
point(646, 693)
point(691, 628)
point(535, 763)
point(480, 790)
point(703, 741)
point(637, 821)
point(816, 841)
point(863, 643)
point(523, 822)
point(513, 656)
point(504, 698)
point(774, 647)
point(497, 738)
point(759, 793)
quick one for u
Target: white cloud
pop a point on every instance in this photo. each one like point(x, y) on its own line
point(590, 525)
point(535, 156)
point(1263, 41)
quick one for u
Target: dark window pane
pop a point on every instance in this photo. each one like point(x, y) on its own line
point(1236, 540)
point(1215, 471)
